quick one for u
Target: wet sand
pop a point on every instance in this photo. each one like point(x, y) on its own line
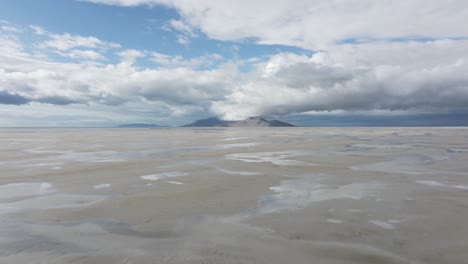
point(233, 195)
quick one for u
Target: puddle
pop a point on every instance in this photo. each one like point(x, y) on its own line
point(381, 146)
point(15, 190)
point(407, 165)
point(84, 156)
point(457, 150)
point(44, 196)
point(299, 193)
point(55, 201)
point(438, 184)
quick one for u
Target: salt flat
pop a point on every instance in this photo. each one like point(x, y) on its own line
point(234, 195)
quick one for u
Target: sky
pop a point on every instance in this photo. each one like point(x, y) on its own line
point(79, 63)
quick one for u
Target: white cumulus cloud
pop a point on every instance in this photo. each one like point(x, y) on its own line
point(367, 55)
point(430, 76)
point(318, 23)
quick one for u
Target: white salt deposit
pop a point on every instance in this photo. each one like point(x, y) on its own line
point(42, 164)
point(232, 139)
point(243, 173)
point(438, 184)
point(335, 221)
point(174, 182)
point(432, 183)
point(238, 145)
point(156, 177)
point(102, 186)
point(382, 224)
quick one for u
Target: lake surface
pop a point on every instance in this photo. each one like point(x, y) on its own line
point(234, 195)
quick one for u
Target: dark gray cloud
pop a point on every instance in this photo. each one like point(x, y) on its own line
point(305, 74)
point(56, 100)
point(11, 98)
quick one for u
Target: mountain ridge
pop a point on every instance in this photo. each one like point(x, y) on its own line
point(255, 121)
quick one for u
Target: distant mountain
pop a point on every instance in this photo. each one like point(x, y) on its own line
point(209, 122)
point(256, 121)
point(259, 121)
point(137, 125)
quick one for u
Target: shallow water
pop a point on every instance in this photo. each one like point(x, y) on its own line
point(256, 195)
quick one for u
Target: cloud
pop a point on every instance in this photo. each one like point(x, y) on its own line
point(373, 76)
point(183, 27)
point(11, 98)
point(10, 29)
point(76, 47)
point(383, 76)
point(406, 58)
point(56, 100)
point(125, 2)
point(317, 24)
point(10, 44)
point(177, 61)
point(65, 42)
point(7, 27)
point(82, 55)
point(38, 30)
point(114, 84)
point(356, 65)
point(187, 32)
point(183, 86)
point(131, 55)
point(73, 46)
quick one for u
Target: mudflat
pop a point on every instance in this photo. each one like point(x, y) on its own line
point(234, 195)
